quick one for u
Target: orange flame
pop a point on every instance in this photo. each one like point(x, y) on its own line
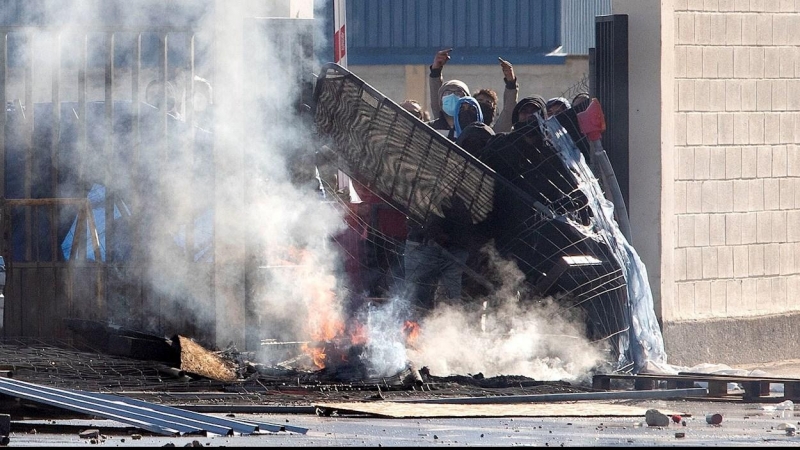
point(412, 331)
point(317, 354)
point(324, 322)
point(329, 334)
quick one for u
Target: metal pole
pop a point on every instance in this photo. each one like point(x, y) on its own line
point(600, 162)
point(567, 397)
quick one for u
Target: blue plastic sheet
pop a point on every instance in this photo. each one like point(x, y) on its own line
point(645, 341)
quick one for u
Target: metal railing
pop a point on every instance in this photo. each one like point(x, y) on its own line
point(72, 122)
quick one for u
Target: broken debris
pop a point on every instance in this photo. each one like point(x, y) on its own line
point(656, 418)
point(91, 433)
point(197, 360)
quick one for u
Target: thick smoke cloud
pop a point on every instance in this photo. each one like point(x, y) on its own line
point(255, 196)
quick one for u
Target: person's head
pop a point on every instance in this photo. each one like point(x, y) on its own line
point(581, 101)
point(414, 108)
point(474, 137)
point(487, 99)
point(526, 110)
point(468, 111)
point(449, 94)
point(557, 105)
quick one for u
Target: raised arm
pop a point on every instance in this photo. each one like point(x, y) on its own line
point(510, 95)
point(435, 82)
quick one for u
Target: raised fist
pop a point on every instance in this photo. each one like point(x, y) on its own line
point(441, 58)
point(508, 69)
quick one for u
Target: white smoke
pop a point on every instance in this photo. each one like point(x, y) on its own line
point(516, 338)
point(278, 274)
point(385, 350)
point(219, 228)
point(509, 332)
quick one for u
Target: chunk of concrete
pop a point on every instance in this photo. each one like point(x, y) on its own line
point(656, 418)
point(91, 433)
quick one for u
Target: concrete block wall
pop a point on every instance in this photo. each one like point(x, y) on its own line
point(714, 138)
point(736, 159)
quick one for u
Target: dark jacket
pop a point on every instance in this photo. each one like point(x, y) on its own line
point(475, 137)
point(453, 229)
point(569, 120)
point(439, 123)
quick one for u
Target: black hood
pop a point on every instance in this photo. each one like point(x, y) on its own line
point(538, 100)
point(474, 137)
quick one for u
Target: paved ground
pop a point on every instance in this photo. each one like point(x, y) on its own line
point(743, 424)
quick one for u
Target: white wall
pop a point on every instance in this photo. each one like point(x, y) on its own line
point(650, 114)
point(730, 163)
point(737, 161)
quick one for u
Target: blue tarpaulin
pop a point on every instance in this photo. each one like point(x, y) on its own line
point(97, 198)
point(121, 245)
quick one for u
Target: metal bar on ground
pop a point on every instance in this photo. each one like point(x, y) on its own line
point(563, 397)
point(250, 409)
point(235, 425)
point(19, 391)
point(86, 403)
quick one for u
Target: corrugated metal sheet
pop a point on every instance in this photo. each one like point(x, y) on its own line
point(147, 416)
point(578, 17)
point(412, 31)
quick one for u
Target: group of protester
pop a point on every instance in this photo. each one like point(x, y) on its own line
point(436, 253)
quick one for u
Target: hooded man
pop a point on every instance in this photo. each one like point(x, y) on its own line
point(557, 105)
point(474, 137)
point(468, 110)
point(436, 251)
point(448, 96)
point(525, 110)
point(522, 156)
point(527, 159)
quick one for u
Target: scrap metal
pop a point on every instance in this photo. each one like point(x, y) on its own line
point(155, 418)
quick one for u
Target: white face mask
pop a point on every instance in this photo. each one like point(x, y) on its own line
point(449, 103)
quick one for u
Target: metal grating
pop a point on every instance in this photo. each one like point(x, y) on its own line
point(540, 220)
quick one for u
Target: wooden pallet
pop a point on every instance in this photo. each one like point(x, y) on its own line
point(755, 388)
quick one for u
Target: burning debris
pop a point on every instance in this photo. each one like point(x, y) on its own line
point(347, 354)
point(338, 356)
